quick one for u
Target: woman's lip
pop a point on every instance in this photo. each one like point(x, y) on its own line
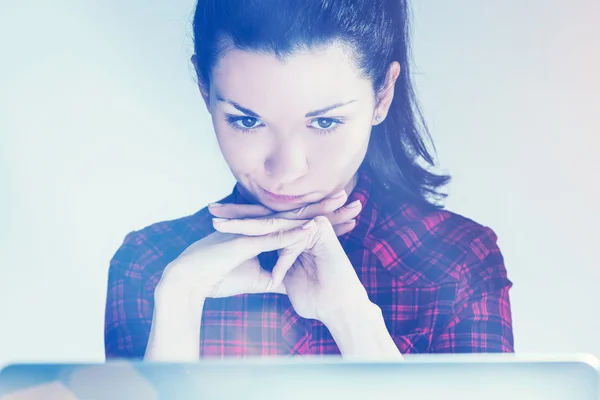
point(283, 197)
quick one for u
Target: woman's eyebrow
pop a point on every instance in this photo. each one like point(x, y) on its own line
point(238, 107)
point(327, 109)
point(253, 114)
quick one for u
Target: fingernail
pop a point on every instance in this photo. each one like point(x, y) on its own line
point(218, 220)
point(338, 194)
point(309, 224)
point(354, 204)
point(215, 205)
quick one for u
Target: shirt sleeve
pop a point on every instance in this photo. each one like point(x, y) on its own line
point(482, 321)
point(129, 307)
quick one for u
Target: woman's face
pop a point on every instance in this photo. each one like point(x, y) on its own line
point(292, 132)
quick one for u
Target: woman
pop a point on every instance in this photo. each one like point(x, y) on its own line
point(333, 240)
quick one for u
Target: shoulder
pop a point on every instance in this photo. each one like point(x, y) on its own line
point(147, 251)
point(428, 247)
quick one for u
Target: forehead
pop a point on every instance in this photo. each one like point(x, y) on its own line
point(305, 79)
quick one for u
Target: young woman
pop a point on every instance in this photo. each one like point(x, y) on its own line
point(333, 240)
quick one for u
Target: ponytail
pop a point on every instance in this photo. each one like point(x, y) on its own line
point(398, 158)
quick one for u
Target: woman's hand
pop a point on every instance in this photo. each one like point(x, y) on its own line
point(249, 277)
point(318, 276)
point(200, 270)
point(197, 274)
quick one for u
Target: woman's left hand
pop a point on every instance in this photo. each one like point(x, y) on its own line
point(321, 281)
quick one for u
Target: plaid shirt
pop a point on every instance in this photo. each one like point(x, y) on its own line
point(438, 278)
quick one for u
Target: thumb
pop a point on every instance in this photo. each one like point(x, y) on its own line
point(287, 258)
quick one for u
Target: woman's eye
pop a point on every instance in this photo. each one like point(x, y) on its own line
point(247, 122)
point(243, 123)
point(324, 123)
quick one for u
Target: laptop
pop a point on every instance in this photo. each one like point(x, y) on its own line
point(431, 377)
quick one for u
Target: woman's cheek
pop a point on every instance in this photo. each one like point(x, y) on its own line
point(242, 154)
point(341, 144)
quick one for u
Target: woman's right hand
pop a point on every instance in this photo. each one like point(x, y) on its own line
point(200, 270)
point(199, 273)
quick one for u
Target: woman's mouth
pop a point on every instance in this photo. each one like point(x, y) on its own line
point(283, 198)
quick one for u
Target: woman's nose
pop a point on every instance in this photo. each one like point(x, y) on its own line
point(286, 163)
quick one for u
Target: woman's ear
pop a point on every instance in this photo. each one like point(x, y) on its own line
point(201, 85)
point(386, 95)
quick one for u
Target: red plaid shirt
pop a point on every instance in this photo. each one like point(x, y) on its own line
point(438, 278)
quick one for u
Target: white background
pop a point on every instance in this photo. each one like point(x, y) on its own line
point(103, 132)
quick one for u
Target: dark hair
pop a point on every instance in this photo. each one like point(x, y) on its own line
point(378, 33)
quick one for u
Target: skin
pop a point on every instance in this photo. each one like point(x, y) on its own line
point(286, 152)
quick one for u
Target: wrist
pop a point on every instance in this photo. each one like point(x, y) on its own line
point(361, 332)
point(346, 306)
point(177, 300)
point(182, 308)
point(176, 285)
point(176, 322)
point(350, 314)
point(178, 303)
